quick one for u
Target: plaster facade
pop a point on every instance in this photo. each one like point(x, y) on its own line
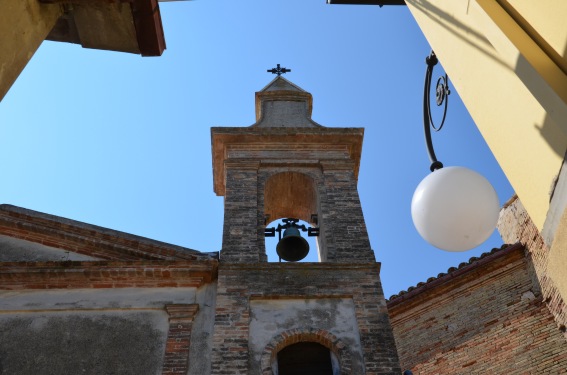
point(71, 342)
point(272, 317)
point(102, 301)
point(23, 27)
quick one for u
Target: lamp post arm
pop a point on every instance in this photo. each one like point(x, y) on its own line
point(442, 92)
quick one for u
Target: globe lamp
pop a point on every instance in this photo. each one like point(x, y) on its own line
point(455, 209)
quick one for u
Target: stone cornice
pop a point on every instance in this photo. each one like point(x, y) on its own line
point(106, 274)
point(320, 139)
point(276, 267)
point(181, 312)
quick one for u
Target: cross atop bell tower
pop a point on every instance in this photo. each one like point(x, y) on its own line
point(288, 166)
point(279, 70)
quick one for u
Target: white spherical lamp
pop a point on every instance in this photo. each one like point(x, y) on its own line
point(455, 209)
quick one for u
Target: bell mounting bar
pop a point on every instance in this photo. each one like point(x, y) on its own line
point(290, 223)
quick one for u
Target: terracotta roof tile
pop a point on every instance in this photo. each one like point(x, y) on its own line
point(472, 263)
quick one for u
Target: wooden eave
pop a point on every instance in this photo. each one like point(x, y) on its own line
point(132, 26)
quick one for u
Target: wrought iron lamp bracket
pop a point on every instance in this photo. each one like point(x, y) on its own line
point(442, 92)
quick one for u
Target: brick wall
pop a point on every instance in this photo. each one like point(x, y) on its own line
point(487, 317)
point(242, 240)
point(326, 159)
point(514, 226)
point(244, 159)
point(342, 220)
point(343, 236)
point(105, 274)
point(176, 357)
point(238, 283)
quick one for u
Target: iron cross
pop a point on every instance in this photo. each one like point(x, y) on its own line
point(279, 71)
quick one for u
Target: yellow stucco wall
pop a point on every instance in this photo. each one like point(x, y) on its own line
point(24, 24)
point(513, 89)
point(543, 17)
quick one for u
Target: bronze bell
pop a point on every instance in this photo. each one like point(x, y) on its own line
point(292, 247)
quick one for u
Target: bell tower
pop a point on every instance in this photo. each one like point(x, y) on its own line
point(288, 166)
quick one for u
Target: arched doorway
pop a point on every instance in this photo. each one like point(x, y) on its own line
point(305, 358)
point(338, 353)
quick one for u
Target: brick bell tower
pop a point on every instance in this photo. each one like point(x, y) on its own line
point(295, 318)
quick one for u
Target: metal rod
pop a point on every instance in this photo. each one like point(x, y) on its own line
point(442, 93)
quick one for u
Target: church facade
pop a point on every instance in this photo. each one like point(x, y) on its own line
point(81, 299)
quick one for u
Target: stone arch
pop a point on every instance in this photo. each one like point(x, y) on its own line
point(290, 194)
point(293, 336)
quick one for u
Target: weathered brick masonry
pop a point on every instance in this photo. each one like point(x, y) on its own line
point(486, 317)
point(105, 274)
point(514, 226)
point(239, 284)
point(286, 166)
point(95, 299)
point(176, 358)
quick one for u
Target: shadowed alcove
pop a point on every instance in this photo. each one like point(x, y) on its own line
point(290, 194)
point(305, 358)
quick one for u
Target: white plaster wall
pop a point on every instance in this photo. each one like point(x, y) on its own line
point(60, 326)
point(269, 318)
point(127, 342)
point(202, 331)
point(17, 250)
point(124, 298)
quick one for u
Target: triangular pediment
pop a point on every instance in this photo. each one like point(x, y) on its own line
point(279, 84)
point(18, 250)
point(32, 236)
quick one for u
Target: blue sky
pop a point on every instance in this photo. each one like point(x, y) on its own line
point(123, 142)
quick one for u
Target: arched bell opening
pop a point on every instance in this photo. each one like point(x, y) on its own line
point(291, 217)
point(290, 194)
